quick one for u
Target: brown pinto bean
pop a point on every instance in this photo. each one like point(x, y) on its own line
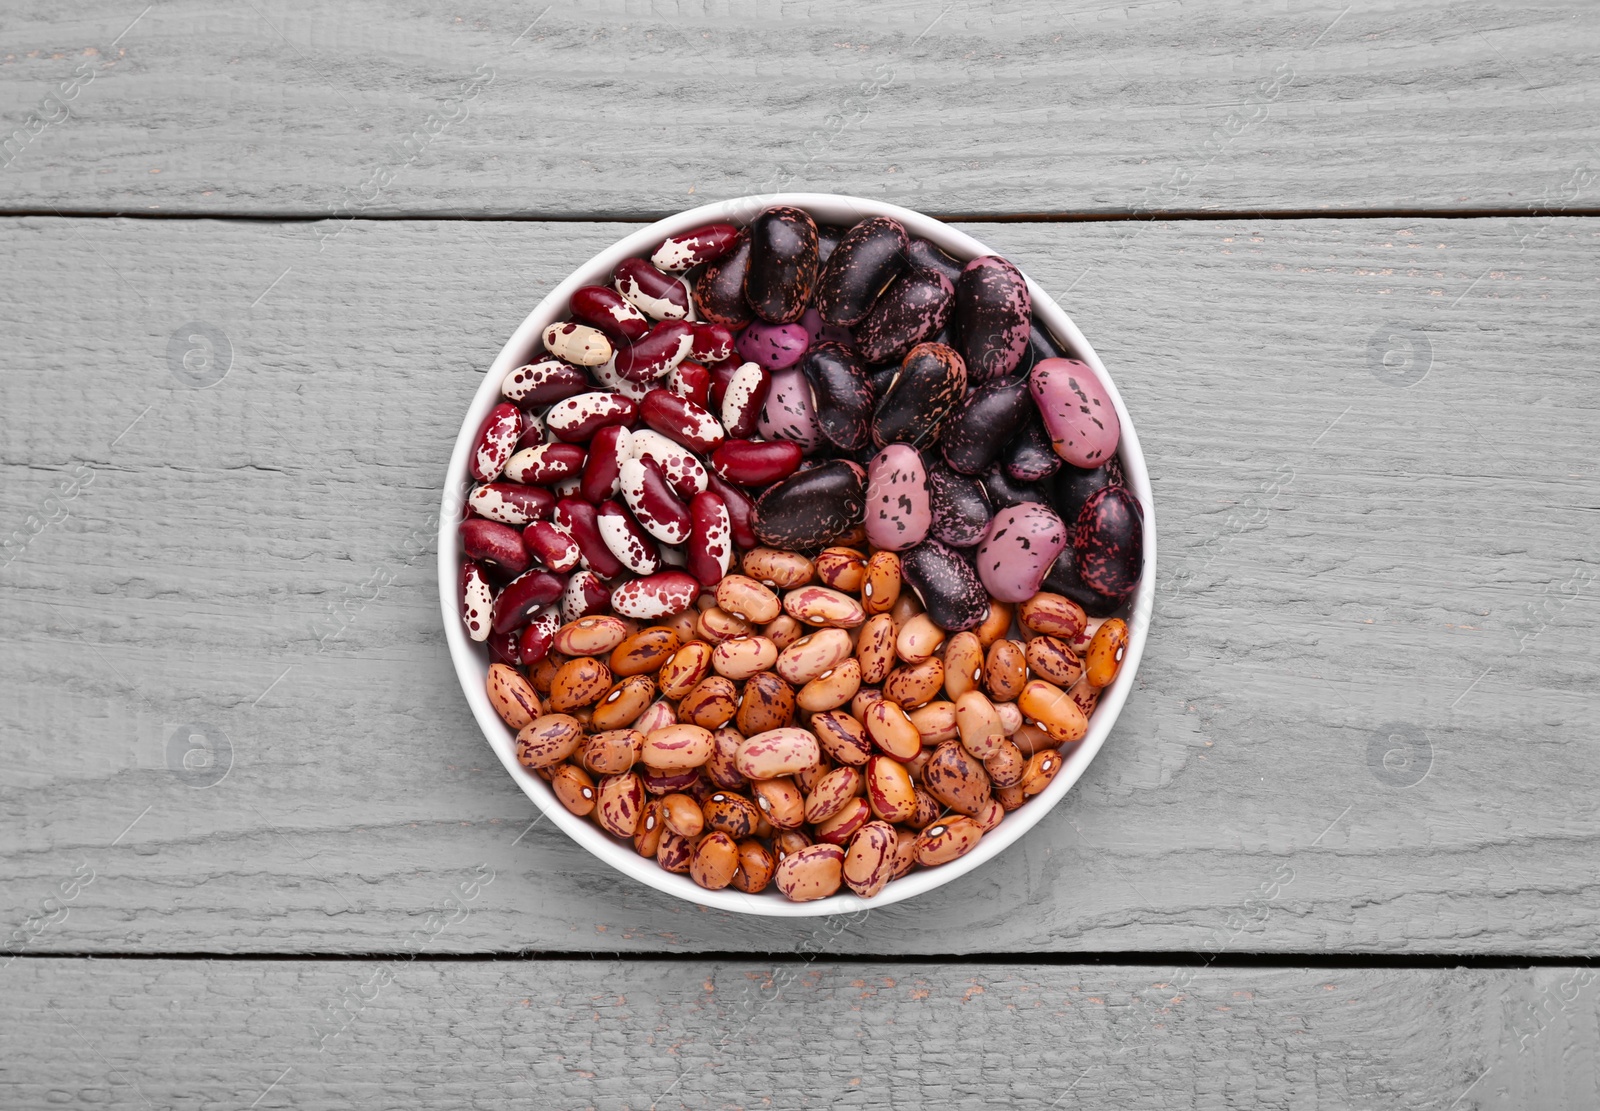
point(548, 740)
point(1010, 797)
point(1006, 670)
point(688, 666)
point(1053, 614)
point(891, 730)
point(842, 737)
point(821, 605)
point(991, 814)
point(1085, 695)
point(711, 704)
point(1052, 659)
point(947, 840)
point(767, 703)
point(839, 829)
point(935, 722)
point(574, 788)
point(1006, 765)
point(929, 810)
point(783, 631)
point(682, 814)
point(741, 657)
point(784, 570)
point(956, 778)
point(777, 752)
point(756, 866)
point(1030, 739)
point(997, 624)
point(917, 763)
point(733, 814)
point(658, 715)
point(645, 652)
point(544, 672)
point(658, 782)
point(979, 724)
point(864, 700)
point(875, 648)
point(915, 684)
point(842, 568)
point(831, 792)
point(674, 853)
point(721, 767)
point(1042, 768)
point(963, 664)
point(1106, 650)
point(624, 702)
point(619, 803)
point(681, 623)
point(918, 639)
point(813, 654)
point(807, 778)
point(880, 582)
point(831, 689)
point(647, 834)
point(611, 752)
point(579, 682)
point(905, 608)
point(870, 860)
point(1010, 717)
point(1056, 714)
point(677, 748)
point(512, 696)
point(890, 792)
point(780, 802)
point(905, 851)
point(813, 872)
point(590, 636)
point(747, 599)
point(715, 860)
point(717, 625)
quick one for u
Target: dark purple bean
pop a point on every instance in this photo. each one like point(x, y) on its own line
point(928, 255)
point(1004, 491)
point(994, 313)
point(946, 584)
point(1108, 542)
point(1029, 457)
point(1075, 485)
point(1063, 579)
point(782, 274)
point(872, 255)
point(843, 396)
point(828, 237)
point(931, 383)
point(812, 508)
point(960, 507)
point(1041, 346)
point(914, 307)
point(977, 431)
point(719, 290)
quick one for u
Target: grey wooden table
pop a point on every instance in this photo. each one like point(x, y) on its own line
point(1340, 850)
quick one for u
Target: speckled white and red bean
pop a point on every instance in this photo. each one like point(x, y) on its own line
point(576, 419)
point(659, 296)
point(679, 466)
point(688, 249)
point(577, 343)
point(681, 421)
point(497, 439)
point(710, 550)
point(627, 540)
point(658, 512)
point(743, 398)
point(660, 595)
point(477, 601)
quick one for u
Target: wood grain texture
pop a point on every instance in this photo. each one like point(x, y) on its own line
point(612, 108)
point(1362, 723)
point(647, 1034)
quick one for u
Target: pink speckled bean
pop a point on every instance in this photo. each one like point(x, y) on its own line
point(898, 511)
point(789, 412)
point(1077, 410)
point(1018, 550)
point(774, 346)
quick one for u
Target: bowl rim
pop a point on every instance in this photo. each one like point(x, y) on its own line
point(470, 659)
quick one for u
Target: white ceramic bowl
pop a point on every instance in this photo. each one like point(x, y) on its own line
point(472, 661)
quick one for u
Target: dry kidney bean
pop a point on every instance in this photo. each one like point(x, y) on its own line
point(548, 740)
point(774, 346)
point(915, 684)
point(590, 636)
point(777, 752)
point(544, 382)
point(1006, 765)
point(604, 308)
point(710, 550)
point(963, 664)
point(577, 343)
point(511, 504)
point(682, 814)
point(719, 290)
point(741, 657)
point(653, 503)
point(1041, 769)
point(831, 689)
point(497, 438)
point(688, 666)
point(880, 585)
point(842, 395)
point(782, 270)
point(742, 401)
point(552, 545)
point(512, 696)
point(783, 631)
point(747, 599)
point(982, 732)
point(828, 796)
point(689, 249)
point(1005, 670)
point(1108, 542)
point(842, 737)
point(715, 860)
point(717, 625)
point(867, 259)
point(977, 433)
point(839, 829)
point(623, 703)
point(1056, 714)
point(918, 639)
point(869, 863)
point(812, 508)
point(841, 568)
point(947, 840)
point(913, 308)
point(931, 384)
point(890, 791)
point(1053, 660)
point(626, 540)
point(611, 752)
point(530, 591)
point(990, 816)
point(659, 296)
point(775, 568)
point(477, 601)
point(492, 543)
point(820, 605)
point(956, 778)
point(545, 464)
point(1052, 615)
point(713, 343)
point(1030, 738)
point(875, 647)
point(732, 814)
point(579, 682)
point(677, 747)
point(658, 595)
point(645, 651)
point(692, 381)
point(786, 842)
point(681, 421)
point(574, 789)
point(756, 866)
point(813, 872)
point(946, 584)
point(602, 467)
point(658, 782)
point(1106, 650)
point(891, 730)
point(674, 853)
point(780, 802)
point(1018, 550)
point(721, 768)
point(994, 311)
point(1077, 410)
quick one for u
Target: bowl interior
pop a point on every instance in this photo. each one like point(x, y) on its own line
point(472, 662)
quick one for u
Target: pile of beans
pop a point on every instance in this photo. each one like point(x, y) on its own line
point(816, 395)
point(687, 738)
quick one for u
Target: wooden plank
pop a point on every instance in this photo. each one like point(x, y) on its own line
point(651, 1034)
point(611, 108)
point(1362, 723)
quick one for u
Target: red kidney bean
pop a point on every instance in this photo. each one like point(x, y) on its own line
point(713, 343)
point(656, 354)
point(756, 462)
point(742, 398)
point(497, 439)
point(552, 545)
point(544, 382)
point(660, 595)
point(691, 248)
point(576, 419)
point(661, 514)
point(523, 596)
point(511, 503)
point(690, 381)
point(721, 375)
point(477, 601)
point(545, 464)
point(710, 539)
point(719, 290)
point(577, 343)
point(533, 643)
point(740, 508)
point(581, 520)
point(495, 544)
point(606, 309)
point(604, 463)
point(585, 595)
point(659, 296)
point(627, 541)
point(681, 421)
point(679, 465)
